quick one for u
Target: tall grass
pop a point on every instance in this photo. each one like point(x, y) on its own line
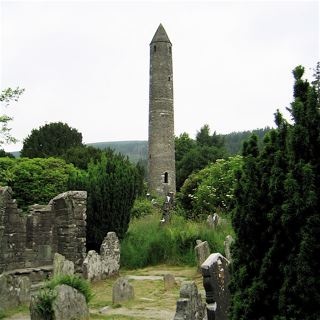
point(147, 242)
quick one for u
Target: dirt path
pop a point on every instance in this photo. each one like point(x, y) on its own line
point(19, 316)
point(148, 313)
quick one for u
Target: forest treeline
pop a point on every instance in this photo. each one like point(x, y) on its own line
point(137, 150)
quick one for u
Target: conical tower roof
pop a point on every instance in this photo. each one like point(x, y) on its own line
point(160, 35)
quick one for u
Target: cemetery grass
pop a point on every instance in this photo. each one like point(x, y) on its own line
point(148, 243)
point(150, 295)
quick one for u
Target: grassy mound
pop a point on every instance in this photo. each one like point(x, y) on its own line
point(147, 242)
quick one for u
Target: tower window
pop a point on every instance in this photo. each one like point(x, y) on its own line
point(170, 50)
point(154, 48)
point(169, 78)
point(166, 177)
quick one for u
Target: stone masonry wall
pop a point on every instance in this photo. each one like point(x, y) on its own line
point(30, 240)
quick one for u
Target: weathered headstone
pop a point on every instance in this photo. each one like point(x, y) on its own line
point(202, 252)
point(122, 290)
point(110, 255)
point(92, 266)
point(68, 304)
point(227, 245)
point(190, 305)
point(169, 281)
point(62, 266)
point(215, 281)
point(213, 220)
point(14, 290)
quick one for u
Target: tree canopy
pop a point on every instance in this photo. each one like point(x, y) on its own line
point(51, 140)
point(112, 184)
point(35, 180)
point(193, 155)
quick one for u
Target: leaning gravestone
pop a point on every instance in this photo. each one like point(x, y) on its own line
point(122, 290)
point(202, 252)
point(189, 305)
point(62, 266)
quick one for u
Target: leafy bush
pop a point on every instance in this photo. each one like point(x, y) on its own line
point(142, 207)
point(211, 189)
point(147, 242)
point(35, 180)
point(45, 299)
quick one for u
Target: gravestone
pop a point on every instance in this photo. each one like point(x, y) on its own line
point(69, 304)
point(227, 245)
point(215, 281)
point(202, 252)
point(110, 255)
point(190, 305)
point(122, 290)
point(14, 290)
point(92, 266)
point(62, 266)
point(169, 281)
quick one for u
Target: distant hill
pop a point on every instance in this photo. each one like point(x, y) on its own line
point(137, 150)
point(234, 140)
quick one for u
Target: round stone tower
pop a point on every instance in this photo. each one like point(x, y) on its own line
point(161, 155)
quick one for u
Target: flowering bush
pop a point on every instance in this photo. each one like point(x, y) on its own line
point(211, 189)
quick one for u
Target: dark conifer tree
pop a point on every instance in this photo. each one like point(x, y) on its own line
point(280, 240)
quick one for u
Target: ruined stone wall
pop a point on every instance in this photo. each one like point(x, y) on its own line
point(30, 240)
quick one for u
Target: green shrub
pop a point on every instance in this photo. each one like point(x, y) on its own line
point(35, 180)
point(211, 189)
point(142, 207)
point(45, 299)
point(75, 282)
point(148, 242)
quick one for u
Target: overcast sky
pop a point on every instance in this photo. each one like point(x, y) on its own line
point(86, 63)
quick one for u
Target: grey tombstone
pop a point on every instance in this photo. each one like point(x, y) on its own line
point(69, 304)
point(189, 305)
point(227, 246)
point(215, 281)
point(202, 252)
point(169, 281)
point(62, 266)
point(122, 291)
point(110, 255)
point(92, 266)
